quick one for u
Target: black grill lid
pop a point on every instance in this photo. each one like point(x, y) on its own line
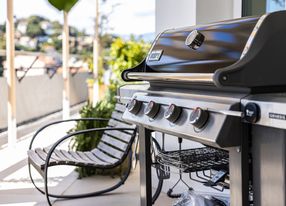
point(222, 46)
point(241, 53)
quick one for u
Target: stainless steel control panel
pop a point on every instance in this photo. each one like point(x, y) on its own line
point(202, 118)
point(272, 109)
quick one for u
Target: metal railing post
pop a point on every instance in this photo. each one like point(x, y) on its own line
point(66, 74)
point(95, 56)
point(11, 76)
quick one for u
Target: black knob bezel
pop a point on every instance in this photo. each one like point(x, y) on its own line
point(134, 106)
point(173, 115)
point(152, 109)
point(199, 117)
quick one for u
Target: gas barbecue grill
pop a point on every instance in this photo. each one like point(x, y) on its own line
point(222, 85)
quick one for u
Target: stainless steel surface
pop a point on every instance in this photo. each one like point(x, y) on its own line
point(195, 77)
point(125, 92)
point(210, 134)
point(122, 98)
point(272, 109)
point(203, 96)
point(195, 94)
point(269, 163)
point(227, 112)
point(191, 96)
point(239, 171)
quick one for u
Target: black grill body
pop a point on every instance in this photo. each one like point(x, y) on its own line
point(222, 85)
point(243, 54)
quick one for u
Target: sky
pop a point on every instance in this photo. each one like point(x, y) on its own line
point(128, 17)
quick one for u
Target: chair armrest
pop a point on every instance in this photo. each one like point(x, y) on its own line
point(63, 121)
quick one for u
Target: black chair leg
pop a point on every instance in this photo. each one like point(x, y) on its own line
point(158, 173)
point(92, 194)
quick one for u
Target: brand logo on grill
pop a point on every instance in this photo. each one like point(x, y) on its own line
point(277, 116)
point(155, 55)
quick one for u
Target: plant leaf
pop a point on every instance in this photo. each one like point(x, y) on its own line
point(63, 5)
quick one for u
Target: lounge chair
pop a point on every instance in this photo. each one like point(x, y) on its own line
point(113, 148)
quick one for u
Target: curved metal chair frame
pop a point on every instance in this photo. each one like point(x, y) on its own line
point(127, 153)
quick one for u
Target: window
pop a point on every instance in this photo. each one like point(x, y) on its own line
point(259, 7)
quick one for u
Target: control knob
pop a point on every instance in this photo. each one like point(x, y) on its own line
point(134, 106)
point(199, 117)
point(173, 113)
point(152, 109)
point(194, 40)
point(251, 112)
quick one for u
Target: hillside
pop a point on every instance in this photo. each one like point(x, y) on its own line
point(36, 33)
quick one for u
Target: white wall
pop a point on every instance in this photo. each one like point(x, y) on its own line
point(40, 95)
point(180, 13)
point(214, 10)
point(174, 13)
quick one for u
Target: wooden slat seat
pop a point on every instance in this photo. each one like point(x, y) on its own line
point(88, 159)
point(114, 142)
point(123, 136)
point(116, 123)
point(112, 150)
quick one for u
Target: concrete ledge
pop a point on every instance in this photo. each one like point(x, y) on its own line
point(32, 126)
point(39, 95)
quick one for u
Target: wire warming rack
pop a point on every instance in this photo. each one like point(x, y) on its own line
point(193, 160)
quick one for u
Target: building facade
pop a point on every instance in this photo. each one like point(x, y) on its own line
point(180, 13)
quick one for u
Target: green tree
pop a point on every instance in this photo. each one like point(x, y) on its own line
point(34, 30)
point(34, 26)
point(57, 27)
point(63, 5)
point(1, 65)
point(2, 41)
point(126, 54)
point(86, 142)
point(106, 40)
point(3, 28)
point(66, 6)
point(123, 55)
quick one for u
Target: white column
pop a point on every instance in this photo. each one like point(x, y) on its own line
point(211, 11)
point(66, 73)
point(11, 78)
point(237, 8)
point(173, 14)
point(95, 56)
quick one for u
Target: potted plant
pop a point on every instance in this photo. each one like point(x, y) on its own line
point(123, 54)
